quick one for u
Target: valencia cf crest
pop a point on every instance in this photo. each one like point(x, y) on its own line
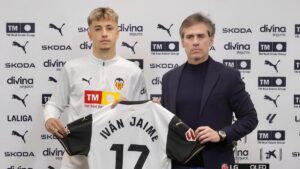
point(119, 83)
point(190, 135)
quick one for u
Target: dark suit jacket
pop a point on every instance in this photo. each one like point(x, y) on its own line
point(223, 94)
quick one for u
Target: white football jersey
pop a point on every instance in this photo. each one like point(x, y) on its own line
point(139, 135)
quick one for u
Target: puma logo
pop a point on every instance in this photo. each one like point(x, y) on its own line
point(270, 99)
point(271, 64)
point(52, 79)
point(20, 99)
point(50, 167)
point(128, 46)
point(51, 25)
point(15, 133)
point(20, 46)
point(85, 80)
point(159, 26)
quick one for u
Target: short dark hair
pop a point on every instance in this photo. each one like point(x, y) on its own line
point(197, 18)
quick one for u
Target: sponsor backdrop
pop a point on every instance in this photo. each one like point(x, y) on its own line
point(259, 38)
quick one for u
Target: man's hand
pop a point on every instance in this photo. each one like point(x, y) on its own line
point(206, 134)
point(56, 127)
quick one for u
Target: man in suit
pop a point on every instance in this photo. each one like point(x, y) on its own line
point(205, 94)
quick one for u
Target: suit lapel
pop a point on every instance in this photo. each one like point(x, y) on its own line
point(175, 81)
point(211, 79)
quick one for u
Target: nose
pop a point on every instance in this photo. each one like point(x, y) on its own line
point(195, 41)
point(104, 32)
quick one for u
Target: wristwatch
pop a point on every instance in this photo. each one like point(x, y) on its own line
point(222, 135)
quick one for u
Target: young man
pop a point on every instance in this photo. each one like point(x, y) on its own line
point(205, 94)
point(88, 83)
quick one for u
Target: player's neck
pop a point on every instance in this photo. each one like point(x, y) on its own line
point(104, 54)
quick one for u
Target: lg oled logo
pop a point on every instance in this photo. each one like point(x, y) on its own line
point(129, 46)
point(20, 29)
point(160, 26)
point(59, 29)
point(240, 64)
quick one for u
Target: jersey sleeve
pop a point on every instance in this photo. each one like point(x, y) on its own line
point(78, 141)
point(60, 97)
point(139, 90)
point(181, 142)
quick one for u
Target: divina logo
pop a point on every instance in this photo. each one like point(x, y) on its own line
point(22, 82)
point(130, 28)
point(19, 65)
point(237, 30)
point(240, 48)
point(22, 136)
point(54, 64)
point(272, 28)
point(17, 44)
point(266, 97)
point(14, 96)
point(130, 46)
point(59, 29)
point(273, 65)
point(54, 153)
point(86, 45)
point(160, 26)
point(156, 81)
point(56, 47)
point(241, 154)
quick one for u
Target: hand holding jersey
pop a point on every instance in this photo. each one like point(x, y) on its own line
point(56, 127)
point(132, 135)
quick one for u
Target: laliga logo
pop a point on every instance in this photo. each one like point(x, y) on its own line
point(190, 135)
point(119, 83)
